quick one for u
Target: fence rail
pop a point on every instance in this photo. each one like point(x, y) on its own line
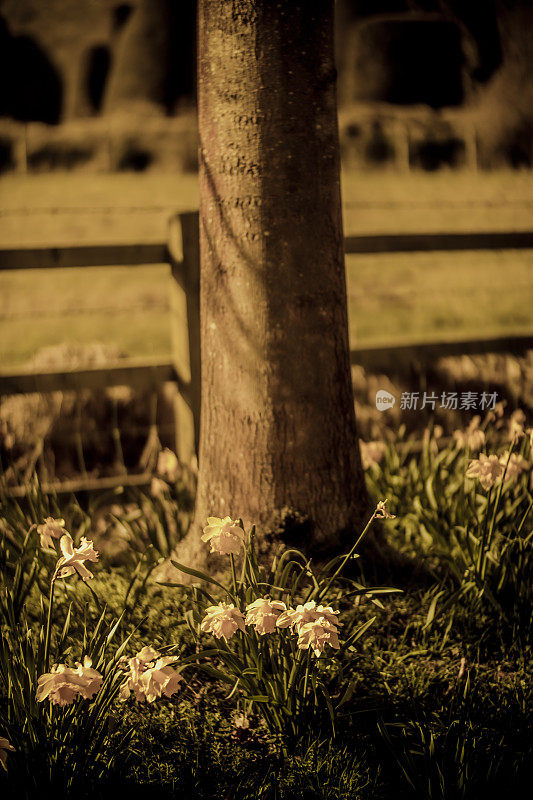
point(107, 255)
point(426, 242)
point(158, 253)
point(181, 252)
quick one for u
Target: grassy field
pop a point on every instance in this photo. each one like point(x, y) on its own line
point(391, 297)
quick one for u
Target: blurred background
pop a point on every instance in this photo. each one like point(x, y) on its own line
point(98, 145)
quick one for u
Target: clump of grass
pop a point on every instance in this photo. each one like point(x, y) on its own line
point(442, 684)
point(478, 543)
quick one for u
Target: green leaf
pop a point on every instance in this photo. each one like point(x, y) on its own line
point(202, 575)
point(431, 610)
point(430, 493)
point(357, 635)
point(348, 694)
point(189, 589)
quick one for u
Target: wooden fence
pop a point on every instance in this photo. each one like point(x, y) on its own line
point(181, 252)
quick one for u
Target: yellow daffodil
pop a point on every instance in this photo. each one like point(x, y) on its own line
point(74, 558)
point(5, 747)
point(223, 621)
point(51, 529)
point(487, 469)
point(317, 634)
point(224, 535)
point(263, 613)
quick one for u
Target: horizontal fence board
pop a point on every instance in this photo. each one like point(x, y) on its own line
point(137, 373)
point(428, 351)
point(157, 253)
point(84, 485)
point(84, 256)
point(426, 242)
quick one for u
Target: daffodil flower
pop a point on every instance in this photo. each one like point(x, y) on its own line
point(168, 466)
point(263, 613)
point(150, 676)
point(63, 684)
point(302, 614)
point(371, 453)
point(487, 469)
point(382, 512)
point(473, 437)
point(223, 621)
point(516, 465)
point(225, 535)
point(74, 558)
point(51, 529)
point(516, 424)
point(317, 634)
point(4, 748)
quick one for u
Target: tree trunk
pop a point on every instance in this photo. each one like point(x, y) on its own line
point(138, 81)
point(278, 442)
point(503, 111)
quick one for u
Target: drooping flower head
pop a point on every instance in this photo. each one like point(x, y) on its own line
point(51, 529)
point(89, 680)
point(317, 634)
point(472, 438)
point(487, 469)
point(74, 558)
point(516, 465)
point(223, 621)
point(382, 511)
point(149, 676)
point(57, 686)
point(146, 655)
point(302, 614)
point(517, 421)
point(263, 613)
point(371, 453)
point(168, 466)
point(225, 535)
point(63, 684)
point(4, 748)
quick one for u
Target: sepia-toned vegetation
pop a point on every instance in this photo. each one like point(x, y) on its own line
point(429, 690)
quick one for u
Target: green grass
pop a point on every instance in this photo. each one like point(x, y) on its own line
point(40, 308)
point(386, 202)
point(395, 297)
point(392, 297)
point(441, 708)
point(398, 297)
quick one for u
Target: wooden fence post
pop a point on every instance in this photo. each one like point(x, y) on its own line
point(470, 142)
point(20, 151)
point(184, 251)
point(402, 145)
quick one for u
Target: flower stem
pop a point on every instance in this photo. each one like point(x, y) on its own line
point(233, 574)
point(346, 558)
point(499, 493)
point(49, 623)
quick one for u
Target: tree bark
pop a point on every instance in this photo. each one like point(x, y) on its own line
point(138, 80)
point(278, 441)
